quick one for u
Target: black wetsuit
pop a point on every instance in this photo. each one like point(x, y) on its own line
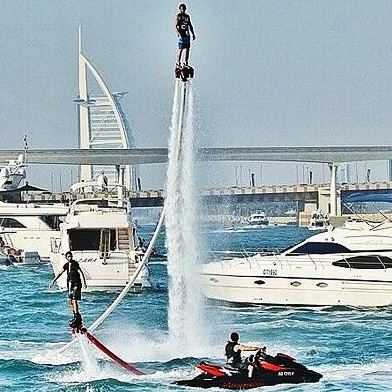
point(74, 282)
point(183, 22)
point(233, 357)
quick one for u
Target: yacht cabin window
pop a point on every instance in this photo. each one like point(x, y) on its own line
point(90, 239)
point(319, 248)
point(53, 221)
point(10, 222)
point(365, 262)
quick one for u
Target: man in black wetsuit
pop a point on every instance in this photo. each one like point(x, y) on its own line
point(184, 29)
point(74, 283)
point(233, 351)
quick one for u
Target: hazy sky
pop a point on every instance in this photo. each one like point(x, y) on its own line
point(267, 73)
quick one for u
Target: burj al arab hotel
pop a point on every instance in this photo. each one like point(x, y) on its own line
point(102, 123)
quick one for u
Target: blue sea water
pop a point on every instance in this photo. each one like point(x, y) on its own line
point(350, 347)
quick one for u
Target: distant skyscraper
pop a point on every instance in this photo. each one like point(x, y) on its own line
point(102, 122)
point(344, 172)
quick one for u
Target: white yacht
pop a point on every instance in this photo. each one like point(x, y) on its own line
point(318, 221)
point(26, 228)
point(29, 227)
point(350, 266)
point(258, 219)
point(12, 174)
point(100, 234)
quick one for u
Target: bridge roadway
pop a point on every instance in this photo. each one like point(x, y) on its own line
point(302, 193)
point(140, 156)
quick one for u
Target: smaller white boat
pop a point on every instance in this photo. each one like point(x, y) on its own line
point(17, 256)
point(319, 221)
point(257, 219)
point(12, 174)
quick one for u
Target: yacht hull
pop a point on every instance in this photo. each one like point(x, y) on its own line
point(303, 283)
point(111, 275)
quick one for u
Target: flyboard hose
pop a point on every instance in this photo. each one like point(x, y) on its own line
point(146, 256)
point(129, 285)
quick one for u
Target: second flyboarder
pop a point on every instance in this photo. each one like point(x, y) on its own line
point(184, 29)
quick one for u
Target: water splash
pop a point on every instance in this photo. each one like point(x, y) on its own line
point(185, 304)
point(90, 364)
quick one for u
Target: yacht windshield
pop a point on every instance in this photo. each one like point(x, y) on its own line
point(320, 248)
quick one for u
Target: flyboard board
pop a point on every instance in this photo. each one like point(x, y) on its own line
point(101, 347)
point(184, 72)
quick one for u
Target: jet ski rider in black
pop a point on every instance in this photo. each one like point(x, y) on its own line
point(233, 351)
point(74, 283)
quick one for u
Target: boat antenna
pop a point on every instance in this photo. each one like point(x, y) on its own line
point(25, 147)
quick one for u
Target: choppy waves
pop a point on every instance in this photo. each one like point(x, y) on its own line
point(349, 346)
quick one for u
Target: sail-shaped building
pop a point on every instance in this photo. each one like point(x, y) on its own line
point(102, 123)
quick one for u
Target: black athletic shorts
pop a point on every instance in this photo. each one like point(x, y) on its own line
point(184, 42)
point(75, 292)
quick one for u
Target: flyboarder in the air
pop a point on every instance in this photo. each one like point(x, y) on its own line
point(184, 29)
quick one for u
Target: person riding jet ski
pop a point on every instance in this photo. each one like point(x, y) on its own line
point(233, 351)
point(259, 370)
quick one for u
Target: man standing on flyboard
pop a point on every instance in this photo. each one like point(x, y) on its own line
point(184, 29)
point(74, 283)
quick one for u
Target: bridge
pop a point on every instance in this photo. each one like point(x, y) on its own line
point(333, 155)
point(308, 197)
point(140, 156)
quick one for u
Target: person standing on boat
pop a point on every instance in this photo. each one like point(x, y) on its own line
point(74, 284)
point(184, 29)
point(233, 351)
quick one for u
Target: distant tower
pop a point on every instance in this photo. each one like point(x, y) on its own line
point(102, 123)
point(345, 173)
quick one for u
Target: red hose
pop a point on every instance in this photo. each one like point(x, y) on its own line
point(94, 341)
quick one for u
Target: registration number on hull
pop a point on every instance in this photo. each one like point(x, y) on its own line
point(270, 272)
point(287, 374)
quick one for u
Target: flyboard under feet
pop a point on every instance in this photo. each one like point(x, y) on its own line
point(184, 72)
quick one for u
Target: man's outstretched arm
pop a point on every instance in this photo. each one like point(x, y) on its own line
point(55, 279)
point(245, 347)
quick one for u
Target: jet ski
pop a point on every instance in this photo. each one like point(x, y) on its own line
point(184, 72)
point(268, 370)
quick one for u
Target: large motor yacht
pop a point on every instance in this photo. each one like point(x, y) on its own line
point(98, 230)
point(26, 227)
point(350, 265)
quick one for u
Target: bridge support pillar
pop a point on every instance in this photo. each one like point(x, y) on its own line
point(333, 189)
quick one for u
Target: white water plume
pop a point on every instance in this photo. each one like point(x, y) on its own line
point(90, 364)
point(185, 303)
